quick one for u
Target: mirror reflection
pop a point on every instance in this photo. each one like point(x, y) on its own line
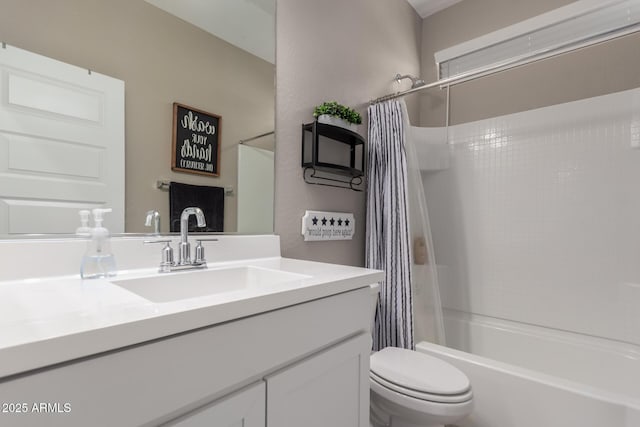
point(162, 59)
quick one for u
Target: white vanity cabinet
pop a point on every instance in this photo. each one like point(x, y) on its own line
point(328, 389)
point(325, 389)
point(302, 365)
point(245, 408)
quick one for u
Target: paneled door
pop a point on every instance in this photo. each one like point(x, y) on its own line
point(61, 144)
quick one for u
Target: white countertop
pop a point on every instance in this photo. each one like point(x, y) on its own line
point(46, 321)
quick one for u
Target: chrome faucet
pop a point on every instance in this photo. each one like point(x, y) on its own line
point(184, 253)
point(153, 216)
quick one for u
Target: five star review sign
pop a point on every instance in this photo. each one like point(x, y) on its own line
point(319, 225)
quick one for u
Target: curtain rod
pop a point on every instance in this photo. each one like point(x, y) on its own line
point(515, 62)
point(262, 135)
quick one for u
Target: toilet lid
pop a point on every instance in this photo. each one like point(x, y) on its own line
point(419, 372)
point(390, 390)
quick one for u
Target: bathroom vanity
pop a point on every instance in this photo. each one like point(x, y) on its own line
point(286, 344)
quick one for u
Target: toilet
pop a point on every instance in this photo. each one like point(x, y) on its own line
point(412, 389)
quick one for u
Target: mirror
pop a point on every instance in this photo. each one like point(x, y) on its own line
point(163, 59)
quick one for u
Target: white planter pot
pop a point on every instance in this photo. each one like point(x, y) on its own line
point(336, 121)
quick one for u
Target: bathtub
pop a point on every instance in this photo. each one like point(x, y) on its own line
point(528, 376)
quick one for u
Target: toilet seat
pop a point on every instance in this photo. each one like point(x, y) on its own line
point(421, 395)
point(419, 376)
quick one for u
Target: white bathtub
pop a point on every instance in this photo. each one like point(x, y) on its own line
point(527, 376)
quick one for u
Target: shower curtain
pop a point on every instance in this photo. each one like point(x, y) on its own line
point(387, 235)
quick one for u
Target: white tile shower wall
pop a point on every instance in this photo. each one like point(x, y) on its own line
point(537, 220)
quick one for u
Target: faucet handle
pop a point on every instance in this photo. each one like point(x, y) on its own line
point(153, 219)
point(200, 259)
point(167, 254)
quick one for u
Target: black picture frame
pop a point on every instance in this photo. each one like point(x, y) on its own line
point(195, 141)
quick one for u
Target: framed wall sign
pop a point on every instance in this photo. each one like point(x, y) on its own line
point(195, 141)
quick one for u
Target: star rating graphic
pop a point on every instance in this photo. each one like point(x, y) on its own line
point(320, 225)
point(331, 221)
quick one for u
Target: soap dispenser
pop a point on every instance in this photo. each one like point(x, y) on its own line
point(98, 261)
point(84, 229)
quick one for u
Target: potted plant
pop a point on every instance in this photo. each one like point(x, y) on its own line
point(337, 115)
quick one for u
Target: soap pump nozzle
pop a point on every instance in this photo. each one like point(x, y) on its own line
point(98, 216)
point(84, 229)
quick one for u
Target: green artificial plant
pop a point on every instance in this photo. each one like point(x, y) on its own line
point(332, 108)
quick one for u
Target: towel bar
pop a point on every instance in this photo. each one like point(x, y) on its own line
point(164, 186)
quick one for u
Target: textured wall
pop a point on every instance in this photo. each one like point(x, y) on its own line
point(346, 51)
point(537, 220)
point(598, 70)
point(162, 60)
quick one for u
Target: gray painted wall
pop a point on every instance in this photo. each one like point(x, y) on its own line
point(346, 51)
point(607, 68)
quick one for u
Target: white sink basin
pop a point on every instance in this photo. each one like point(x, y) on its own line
point(192, 284)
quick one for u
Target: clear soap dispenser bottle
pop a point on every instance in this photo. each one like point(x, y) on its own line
point(84, 229)
point(98, 261)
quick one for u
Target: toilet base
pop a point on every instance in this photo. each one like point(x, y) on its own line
point(385, 413)
point(399, 423)
point(402, 423)
point(378, 419)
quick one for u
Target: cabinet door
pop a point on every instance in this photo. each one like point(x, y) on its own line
point(244, 408)
point(330, 388)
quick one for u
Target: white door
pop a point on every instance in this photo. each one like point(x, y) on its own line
point(327, 389)
point(61, 144)
point(241, 409)
point(255, 189)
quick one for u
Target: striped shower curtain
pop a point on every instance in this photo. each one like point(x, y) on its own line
point(387, 235)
